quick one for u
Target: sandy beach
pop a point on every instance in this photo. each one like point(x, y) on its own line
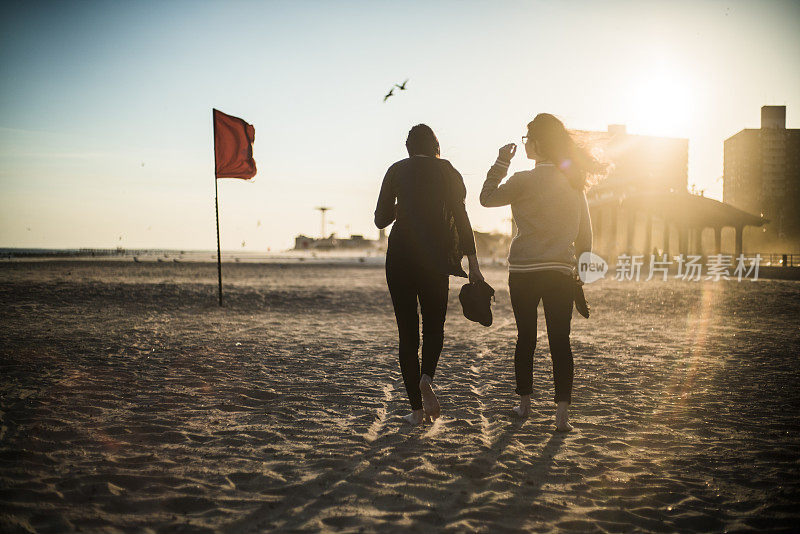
point(131, 402)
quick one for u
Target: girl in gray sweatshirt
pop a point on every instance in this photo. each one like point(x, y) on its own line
point(549, 207)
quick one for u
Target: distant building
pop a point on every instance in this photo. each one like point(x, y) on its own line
point(640, 162)
point(354, 242)
point(644, 207)
point(492, 245)
point(762, 175)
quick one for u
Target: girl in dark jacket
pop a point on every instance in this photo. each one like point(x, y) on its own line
point(424, 196)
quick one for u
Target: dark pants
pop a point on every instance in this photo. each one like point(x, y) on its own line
point(555, 291)
point(407, 283)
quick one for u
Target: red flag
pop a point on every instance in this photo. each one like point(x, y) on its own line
point(233, 147)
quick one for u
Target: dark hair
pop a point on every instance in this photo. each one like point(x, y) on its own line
point(553, 142)
point(422, 140)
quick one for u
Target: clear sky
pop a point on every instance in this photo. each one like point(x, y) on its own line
point(105, 108)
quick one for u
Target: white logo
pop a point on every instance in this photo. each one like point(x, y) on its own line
point(591, 267)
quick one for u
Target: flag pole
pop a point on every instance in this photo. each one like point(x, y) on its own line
point(219, 253)
point(216, 209)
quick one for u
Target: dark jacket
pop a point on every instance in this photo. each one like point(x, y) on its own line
point(424, 197)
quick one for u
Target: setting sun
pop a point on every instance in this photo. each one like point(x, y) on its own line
point(661, 103)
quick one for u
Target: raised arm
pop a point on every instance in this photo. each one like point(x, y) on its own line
point(386, 210)
point(583, 243)
point(493, 194)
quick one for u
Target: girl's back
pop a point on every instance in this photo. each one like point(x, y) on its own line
point(552, 217)
point(547, 214)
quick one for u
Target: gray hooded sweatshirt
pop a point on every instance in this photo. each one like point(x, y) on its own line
point(552, 218)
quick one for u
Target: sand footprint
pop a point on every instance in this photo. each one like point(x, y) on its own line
point(374, 430)
point(435, 429)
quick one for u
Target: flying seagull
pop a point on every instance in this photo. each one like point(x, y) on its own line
point(402, 87)
point(390, 93)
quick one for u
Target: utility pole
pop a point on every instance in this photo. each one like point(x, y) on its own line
point(322, 210)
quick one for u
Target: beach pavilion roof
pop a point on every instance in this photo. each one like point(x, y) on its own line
point(683, 208)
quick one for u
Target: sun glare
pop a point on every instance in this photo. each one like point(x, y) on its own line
point(661, 103)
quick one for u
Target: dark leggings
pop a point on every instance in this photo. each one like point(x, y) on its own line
point(408, 283)
point(555, 290)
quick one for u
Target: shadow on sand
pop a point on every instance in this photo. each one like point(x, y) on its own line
point(478, 490)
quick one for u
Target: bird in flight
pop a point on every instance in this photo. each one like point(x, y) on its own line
point(390, 93)
point(402, 87)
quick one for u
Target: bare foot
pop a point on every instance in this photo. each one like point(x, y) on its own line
point(415, 417)
point(524, 408)
point(429, 401)
point(562, 417)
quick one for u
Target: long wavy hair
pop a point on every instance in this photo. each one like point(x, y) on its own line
point(553, 142)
